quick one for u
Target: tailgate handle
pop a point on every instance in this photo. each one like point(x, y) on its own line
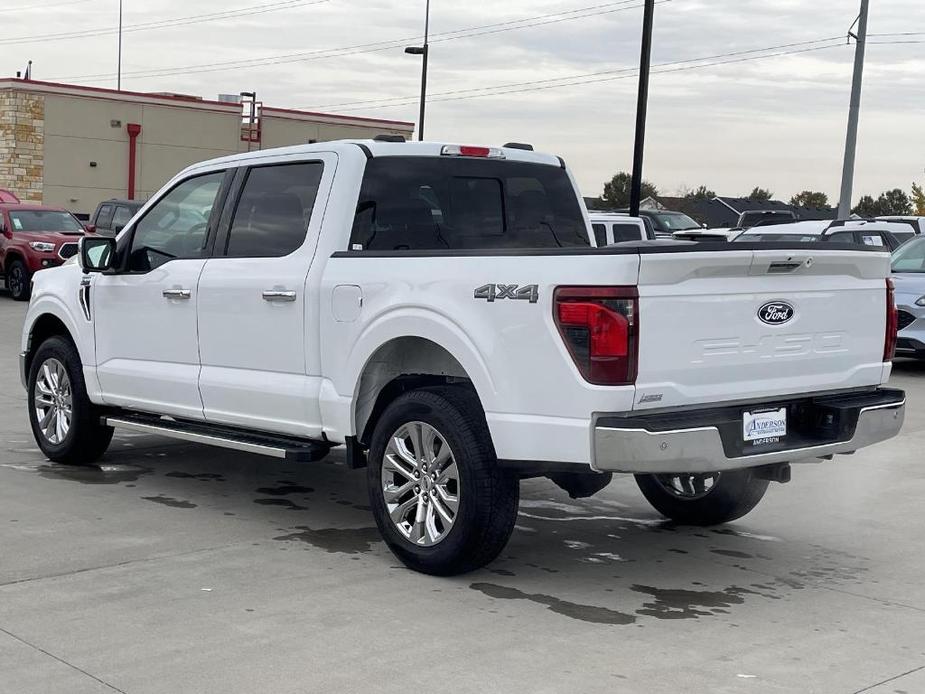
point(783, 266)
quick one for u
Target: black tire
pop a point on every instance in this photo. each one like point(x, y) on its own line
point(733, 495)
point(18, 280)
point(488, 495)
point(86, 439)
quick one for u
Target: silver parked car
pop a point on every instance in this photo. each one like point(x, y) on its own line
point(909, 279)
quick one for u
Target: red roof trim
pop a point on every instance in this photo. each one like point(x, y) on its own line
point(193, 101)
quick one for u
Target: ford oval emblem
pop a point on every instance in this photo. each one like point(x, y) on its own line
point(775, 313)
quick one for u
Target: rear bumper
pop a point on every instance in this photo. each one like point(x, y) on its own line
point(709, 440)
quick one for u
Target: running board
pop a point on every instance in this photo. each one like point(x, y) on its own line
point(275, 446)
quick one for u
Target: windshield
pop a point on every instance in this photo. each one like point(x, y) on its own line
point(674, 221)
point(796, 238)
point(444, 203)
point(43, 220)
point(910, 257)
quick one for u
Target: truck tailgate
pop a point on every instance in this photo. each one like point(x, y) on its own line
point(727, 325)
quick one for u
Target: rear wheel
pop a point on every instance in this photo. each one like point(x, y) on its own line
point(708, 498)
point(441, 502)
point(64, 422)
point(18, 278)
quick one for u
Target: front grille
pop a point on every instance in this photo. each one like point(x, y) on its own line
point(67, 250)
point(905, 319)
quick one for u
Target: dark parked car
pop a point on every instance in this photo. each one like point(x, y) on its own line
point(112, 215)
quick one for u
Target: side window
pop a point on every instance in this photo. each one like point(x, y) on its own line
point(120, 218)
point(177, 225)
point(273, 212)
point(104, 217)
point(626, 232)
point(841, 237)
point(600, 234)
point(871, 238)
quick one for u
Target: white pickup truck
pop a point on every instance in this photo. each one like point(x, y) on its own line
point(441, 311)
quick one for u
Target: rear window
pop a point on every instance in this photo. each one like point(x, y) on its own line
point(441, 203)
point(626, 232)
point(44, 220)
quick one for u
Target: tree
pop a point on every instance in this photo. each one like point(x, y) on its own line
point(700, 193)
point(810, 198)
point(762, 194)
point(866, 207)
point(617, 190)
point(918, 199)
point(894, 202)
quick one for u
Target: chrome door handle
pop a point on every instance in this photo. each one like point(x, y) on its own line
point(176, 293)
point(278, 295)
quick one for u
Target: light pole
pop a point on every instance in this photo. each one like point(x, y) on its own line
point(641, 105)
point(119, 60)
point(854, 111)
point(422, 51)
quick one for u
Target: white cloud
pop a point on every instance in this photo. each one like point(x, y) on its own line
point(778, 122)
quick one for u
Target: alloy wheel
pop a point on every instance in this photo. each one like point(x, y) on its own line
point(688, 486)
point(420, 483)
point(53, 400)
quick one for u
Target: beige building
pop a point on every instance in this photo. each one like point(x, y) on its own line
point(73, 146)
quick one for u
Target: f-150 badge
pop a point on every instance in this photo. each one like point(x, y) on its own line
point(496, 292)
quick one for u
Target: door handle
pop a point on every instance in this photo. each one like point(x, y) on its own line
point(176, 293)
point(278, 295)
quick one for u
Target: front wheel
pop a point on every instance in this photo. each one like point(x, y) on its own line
point(708, 498)
point(441, 502)
point(18, 281)
point(65, 424)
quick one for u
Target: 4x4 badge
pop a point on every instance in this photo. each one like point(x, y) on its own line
point(496, 292)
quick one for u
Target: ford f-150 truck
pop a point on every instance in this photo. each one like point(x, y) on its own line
point(441, 311)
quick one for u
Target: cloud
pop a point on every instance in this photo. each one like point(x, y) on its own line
point(777, 122)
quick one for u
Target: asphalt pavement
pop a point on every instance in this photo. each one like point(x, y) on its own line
point(179, 568)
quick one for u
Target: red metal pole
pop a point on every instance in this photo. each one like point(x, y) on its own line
point(134, 130)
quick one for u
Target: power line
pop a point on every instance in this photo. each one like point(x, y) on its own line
point(43, 6)
point(602, 75)
point(321, 54)
point(902, 33)
point(166, 23)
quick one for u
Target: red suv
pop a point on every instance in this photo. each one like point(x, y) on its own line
point(34, 237)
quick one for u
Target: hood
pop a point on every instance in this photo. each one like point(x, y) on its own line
point(51, 236)
point(909, 286)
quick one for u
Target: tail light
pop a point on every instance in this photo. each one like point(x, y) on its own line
point(892, 322)
point(600, 328)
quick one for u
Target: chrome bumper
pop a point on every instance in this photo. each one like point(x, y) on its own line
point(700, 449)
point(23, 376)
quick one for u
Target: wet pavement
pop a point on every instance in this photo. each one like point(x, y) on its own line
point(173, 567)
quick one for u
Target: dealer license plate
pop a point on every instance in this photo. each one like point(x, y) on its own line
point(768, 426)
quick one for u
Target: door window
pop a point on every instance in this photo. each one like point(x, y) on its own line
point(120, 218)
point(177, 225)
point(842, 237)
point(274, 210)
point(104, 217)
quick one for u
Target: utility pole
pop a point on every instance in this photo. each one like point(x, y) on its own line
point(422, 51)
point(854, 110)
point(641, 106)
point(119, 59)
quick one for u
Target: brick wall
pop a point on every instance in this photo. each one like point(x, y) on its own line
point(22, 144)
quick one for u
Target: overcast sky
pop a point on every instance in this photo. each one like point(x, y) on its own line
point(777, 122)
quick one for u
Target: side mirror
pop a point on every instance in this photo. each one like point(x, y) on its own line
point(97, 254)
point(90, 228)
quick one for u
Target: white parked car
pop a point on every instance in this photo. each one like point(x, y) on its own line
point(615, 227)
point(441, 311)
